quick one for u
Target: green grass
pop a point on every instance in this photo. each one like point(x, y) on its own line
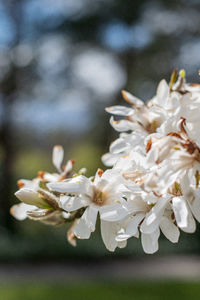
point(96, 291)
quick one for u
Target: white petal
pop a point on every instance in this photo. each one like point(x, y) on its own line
point(120, 110)
point(51, 177)
point(91, 217)
point(68, 167)
point(153, 218)
point(122, 244)
point(30, 184)
point(191, 224)
point(86, 224)
point(152, 156)
point(57, 156)
point(132, 227)
point(31, 197)
point(70, 203)
point(169, 229)
point(180, 211)
point(82, 230)
point(136, 205)
point(118, 146)
point(162, 92)
point(19, 211)
point(109, 159)
point(135, 138)
point(75, 185)
point(108, 233)
point(122, 125)
point(183, 215)
point(111, 175)
point(195, 206)
point(150, 241)
point(122, 237)
point(132, 99)
point(185, 188)
point(113, 212)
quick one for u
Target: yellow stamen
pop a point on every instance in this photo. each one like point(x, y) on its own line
point(173, 79)
point(182, 73)
point(197, 177)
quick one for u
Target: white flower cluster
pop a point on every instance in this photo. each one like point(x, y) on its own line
point(152, 187)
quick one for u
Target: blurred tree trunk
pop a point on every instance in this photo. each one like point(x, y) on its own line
point(6, 137)
point(8, 88)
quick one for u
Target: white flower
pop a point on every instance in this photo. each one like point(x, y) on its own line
point(63, 171)
point(122, 147)
point(19, 211)
point(104, 195)
point(153, 185)
point(149, 214)
point(37, 202)
point(27, 190)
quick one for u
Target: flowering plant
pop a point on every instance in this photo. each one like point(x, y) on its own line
point(153, 182)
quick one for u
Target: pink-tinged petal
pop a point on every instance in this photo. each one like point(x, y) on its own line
point(150, 241)
point(120, 110)
point(70, 234)
point(113, 212)
point(169, 229)
point(183, 216)
point(19, 211)
point(128, 97)
point(30, 184)
point(30, 197)
point(70, 203)
point(108, 234)
point(57, 156)
point(98, 177)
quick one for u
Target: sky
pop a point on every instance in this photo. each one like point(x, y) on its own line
point(68, 80)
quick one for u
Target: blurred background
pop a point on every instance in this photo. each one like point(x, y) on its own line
point(61, 63)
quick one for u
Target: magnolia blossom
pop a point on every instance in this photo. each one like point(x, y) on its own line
point(37, 203)
point(102, 194)
point(153, 183)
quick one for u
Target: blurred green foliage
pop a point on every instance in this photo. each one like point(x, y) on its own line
point(110, 290)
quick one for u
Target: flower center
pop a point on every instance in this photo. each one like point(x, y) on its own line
point(99, 198)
